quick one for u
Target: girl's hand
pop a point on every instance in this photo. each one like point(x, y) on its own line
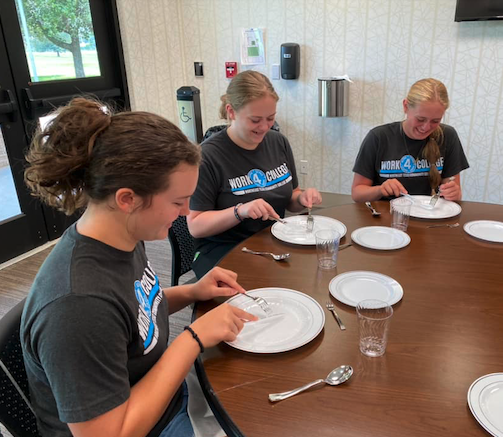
point(392, 187)
point(222, 323)
point(450, 190)
point(257, 209)
point(217, 282)
point(310, 197)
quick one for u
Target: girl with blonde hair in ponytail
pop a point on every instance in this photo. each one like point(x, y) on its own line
point(247, 177)
point(419, 155)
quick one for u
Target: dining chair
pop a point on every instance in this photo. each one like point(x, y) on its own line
point(16, 413)
point(182, 249)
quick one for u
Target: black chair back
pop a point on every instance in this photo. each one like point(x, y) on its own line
point(15, 409)
point(182, 248)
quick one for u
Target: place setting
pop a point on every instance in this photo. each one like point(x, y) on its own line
point(288, 320)
point(442, 209)
point(299, 229)
point(385, 237)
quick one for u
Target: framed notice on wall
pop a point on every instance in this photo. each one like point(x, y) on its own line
point(252, 46)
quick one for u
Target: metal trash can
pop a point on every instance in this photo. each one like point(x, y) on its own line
point(333, 97)
point(189, 113)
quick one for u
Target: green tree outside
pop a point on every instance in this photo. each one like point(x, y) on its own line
point(63, 23)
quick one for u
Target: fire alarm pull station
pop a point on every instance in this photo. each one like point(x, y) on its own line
point(231, 69)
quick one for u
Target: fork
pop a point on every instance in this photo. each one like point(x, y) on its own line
point(434, 198)
point(310, 221)
point(262, 303)
point(331, 307)
point(444, 225)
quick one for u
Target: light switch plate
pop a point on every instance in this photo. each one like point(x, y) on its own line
point(275, 71)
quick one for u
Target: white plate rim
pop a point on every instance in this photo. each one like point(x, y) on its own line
point(413, 213)
point(297, 345)
point(467, 228)
point(275, 226)
point(406, 237)
point(340, 277)
point(473, 398)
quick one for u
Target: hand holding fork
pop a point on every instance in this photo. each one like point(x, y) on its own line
point(310, 221)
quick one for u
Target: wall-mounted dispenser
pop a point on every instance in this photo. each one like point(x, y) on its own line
point(333, 96)
point(189, 113)
point(290, 60)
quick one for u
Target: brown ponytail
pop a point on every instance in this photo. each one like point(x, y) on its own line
point(86, 153)
point(430, 90)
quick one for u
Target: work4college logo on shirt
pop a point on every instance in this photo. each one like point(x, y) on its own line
point(258, 180)
point(407, 167)
point(149, 295)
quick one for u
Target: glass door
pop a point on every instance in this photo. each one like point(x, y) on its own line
point(21, 219)
point(50, 52)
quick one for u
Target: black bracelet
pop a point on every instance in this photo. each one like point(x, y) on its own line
point(236, 212)
point(194, 335)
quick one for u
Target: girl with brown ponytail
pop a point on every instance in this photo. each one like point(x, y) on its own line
point(416, 156)
point(95, 329)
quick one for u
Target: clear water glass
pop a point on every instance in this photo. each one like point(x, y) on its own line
point(327, 248)
point(374, 317)
point(400, 213)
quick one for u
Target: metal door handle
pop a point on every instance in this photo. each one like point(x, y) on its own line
point(9, 107)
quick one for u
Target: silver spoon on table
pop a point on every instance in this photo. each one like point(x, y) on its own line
point(335, 377)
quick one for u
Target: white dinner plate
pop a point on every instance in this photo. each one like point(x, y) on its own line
point(485, 398)
point(442, 209)
point(488, 230)
point(380, 237)
point(295, 229)
point(297, 319)
point(353, 287)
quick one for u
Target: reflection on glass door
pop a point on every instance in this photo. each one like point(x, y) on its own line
point(9, 203)
point(58, 39)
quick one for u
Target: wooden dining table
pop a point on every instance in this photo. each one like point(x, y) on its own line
point(446, 332)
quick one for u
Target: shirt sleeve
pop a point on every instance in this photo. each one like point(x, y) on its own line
point(291, 163)
point(366, 158)
point(455, 158)
point(208, 184)
point(81, 343)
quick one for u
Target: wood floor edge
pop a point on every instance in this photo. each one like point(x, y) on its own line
point(28, 254)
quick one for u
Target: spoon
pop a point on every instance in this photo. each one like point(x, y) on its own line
point(372, 210)
point(278, 257)
point(335, 377)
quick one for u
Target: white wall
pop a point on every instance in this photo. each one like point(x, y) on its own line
point(383, 45)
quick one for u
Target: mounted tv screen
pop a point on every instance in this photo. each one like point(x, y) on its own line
point(472, 10)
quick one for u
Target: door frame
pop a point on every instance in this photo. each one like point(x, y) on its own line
point(39, 223)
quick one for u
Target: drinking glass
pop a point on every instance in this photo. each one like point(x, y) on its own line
point(327, 248)
point(400, 213)
point(374, 317)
